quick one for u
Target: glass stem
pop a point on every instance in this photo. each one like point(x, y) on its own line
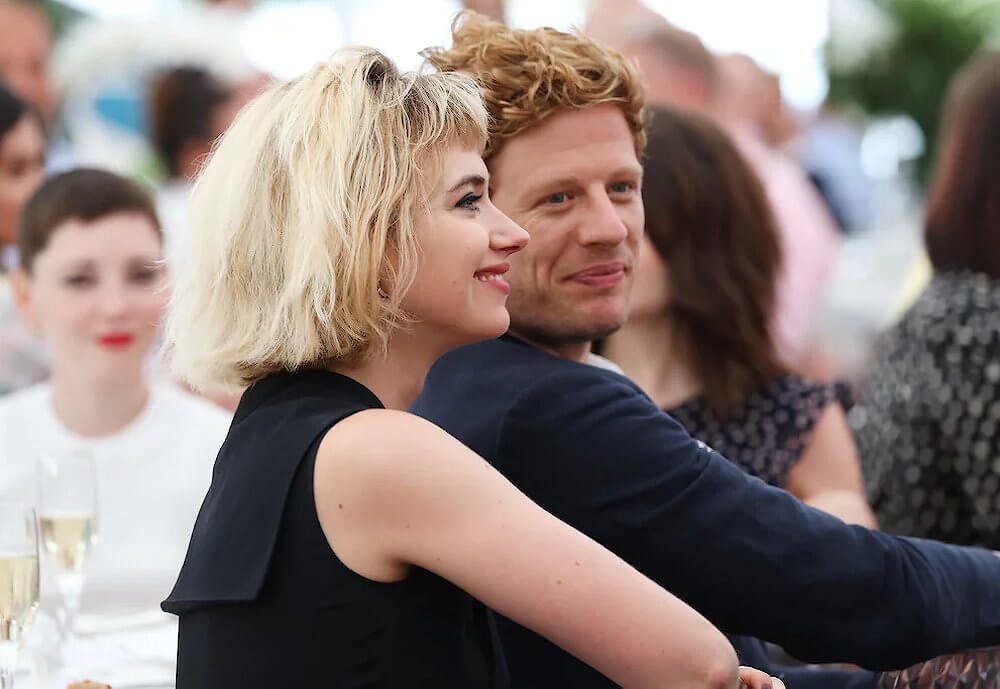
point(8, 661)
point(70, 588)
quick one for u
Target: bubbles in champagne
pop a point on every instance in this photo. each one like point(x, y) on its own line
point(18, 594)
point(68, 538)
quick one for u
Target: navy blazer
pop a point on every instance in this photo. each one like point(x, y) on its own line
point(588, 446)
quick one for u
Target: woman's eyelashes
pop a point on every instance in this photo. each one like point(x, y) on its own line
point(469, 202)
point(143, 274)
point(79, 280)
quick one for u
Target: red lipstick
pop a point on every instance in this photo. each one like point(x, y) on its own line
point(493, 276)
point(116, 340)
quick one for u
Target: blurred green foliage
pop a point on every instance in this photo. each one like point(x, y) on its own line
point(62, 16)
point(910, 74)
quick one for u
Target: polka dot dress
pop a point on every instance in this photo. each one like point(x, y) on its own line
point(768, 435)
point(929, 414)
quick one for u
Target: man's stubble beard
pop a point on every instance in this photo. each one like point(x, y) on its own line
point(532, 322)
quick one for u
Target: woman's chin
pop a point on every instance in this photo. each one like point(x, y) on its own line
point(490, 330)
point(501, 326)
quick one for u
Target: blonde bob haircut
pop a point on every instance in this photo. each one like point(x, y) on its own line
point(528, 74)
point(301, 240)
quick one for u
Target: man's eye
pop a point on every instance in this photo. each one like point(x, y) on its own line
point(561, 197)
point(621, 187)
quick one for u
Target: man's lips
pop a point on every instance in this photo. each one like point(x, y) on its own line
point(116, 340)
point(602, 275)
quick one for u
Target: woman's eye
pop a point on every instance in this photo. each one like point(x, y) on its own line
point(145, 276)
point(621, 187)
point(469, 202)
point(79, 280)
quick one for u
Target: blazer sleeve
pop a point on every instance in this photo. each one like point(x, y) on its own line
point(590, 448)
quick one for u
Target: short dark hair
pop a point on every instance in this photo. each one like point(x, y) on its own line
point(85, 194)
point(708, 216)
point(962, 223)
point(183, 101)
point(12, 110)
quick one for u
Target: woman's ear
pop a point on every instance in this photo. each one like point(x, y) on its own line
point(20, 286)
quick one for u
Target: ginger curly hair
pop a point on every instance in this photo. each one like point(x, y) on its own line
point(526, 75)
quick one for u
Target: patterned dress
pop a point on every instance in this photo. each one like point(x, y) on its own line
point(768, 435)
point(929, 414)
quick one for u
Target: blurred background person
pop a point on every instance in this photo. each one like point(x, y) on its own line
point(829, 148)
point(680, 71)
point(698, 338)
point(91, 283)
point(25, 54)
point(188, 110)
point(928, 426)
point(106, 65)
point(22, 155)
point(750, 94)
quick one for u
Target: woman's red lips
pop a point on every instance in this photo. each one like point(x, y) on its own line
point(116, 340)
point(492, 276)
point(497, 269)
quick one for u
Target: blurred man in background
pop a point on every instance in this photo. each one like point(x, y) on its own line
point(25, 53)
point(680, 71)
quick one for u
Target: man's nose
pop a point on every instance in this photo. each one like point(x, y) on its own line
point(603, 224)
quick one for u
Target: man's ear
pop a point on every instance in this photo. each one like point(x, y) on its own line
point(20, 286)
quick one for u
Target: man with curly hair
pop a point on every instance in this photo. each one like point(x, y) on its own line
point(567, 136)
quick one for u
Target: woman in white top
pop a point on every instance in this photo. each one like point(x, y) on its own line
point(91, 284)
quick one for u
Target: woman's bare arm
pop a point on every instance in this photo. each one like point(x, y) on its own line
point(828, 476)
point(393, 490)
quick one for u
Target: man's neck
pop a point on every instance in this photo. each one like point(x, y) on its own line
point(575, 351)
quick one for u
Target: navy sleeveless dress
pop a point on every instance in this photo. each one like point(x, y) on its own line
point(265, 603)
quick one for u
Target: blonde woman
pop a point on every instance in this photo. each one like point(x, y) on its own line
point(342, 240)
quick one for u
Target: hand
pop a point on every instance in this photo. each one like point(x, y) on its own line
point(755, 679)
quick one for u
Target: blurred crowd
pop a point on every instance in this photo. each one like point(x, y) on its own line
point(751, 211)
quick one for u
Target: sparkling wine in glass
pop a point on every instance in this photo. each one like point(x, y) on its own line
point(18, 583)
point(67, 519)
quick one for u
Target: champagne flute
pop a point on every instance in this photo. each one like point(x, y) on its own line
point(67, 518)
point(18, 582)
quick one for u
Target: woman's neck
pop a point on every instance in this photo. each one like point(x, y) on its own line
point(651, 353)
point(397, 375)
point(95, 409)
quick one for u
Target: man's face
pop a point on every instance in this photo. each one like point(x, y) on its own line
point(25, 45)
point(668, 83)
point(573, 183)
